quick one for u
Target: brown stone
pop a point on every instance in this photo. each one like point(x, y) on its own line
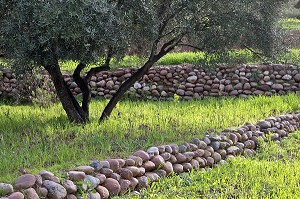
point(114, 164)
point(31, 194)
point(42, 192)
point(187, 167)
point(101, 177)
point(180, 158)
point(125, 185)
point(158, 161)
point(142, 154)
point(168, 167)
point(25, 181)
point(177, 168)
point(133, 183)
point(86, 169)
point(195, 164)
point(69, 186)
point(217, 157)
point(104, 193)
point(112, 186)
point(76, 175)
point(129, 162)
point(152, 176)
point(138, 160)
point(125, 173)
point(135, 170)
point(71, 196)
point(16, 195)
point(143, 182)
point(210, 161)
point(107, 172)
point(149, 166)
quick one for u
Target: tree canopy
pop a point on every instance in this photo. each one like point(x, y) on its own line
point(39, 33)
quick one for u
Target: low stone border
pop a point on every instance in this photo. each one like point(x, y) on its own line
point(186, 81)
point(102, 179)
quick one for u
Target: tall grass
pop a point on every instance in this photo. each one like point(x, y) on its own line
point(35, 138)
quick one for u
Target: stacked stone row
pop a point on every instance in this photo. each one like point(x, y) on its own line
point(186, 81)
point(102, 179)
point(190, 82)
point(8, 83)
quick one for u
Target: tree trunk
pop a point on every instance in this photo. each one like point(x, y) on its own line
point(126, 85)
point(69, 103)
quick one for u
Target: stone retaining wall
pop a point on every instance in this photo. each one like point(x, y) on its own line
point(187, 81)
point(102, 179)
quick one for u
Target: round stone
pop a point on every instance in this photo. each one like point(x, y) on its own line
point(125, 173)
point(25, 181)
point(93, 181)
point(104, 193)
point(177, 168)
point(6, 188)
point(112, 186)
point(16, 195)
point(31, 194)
point(142, 154)
point(70, 186)
point(76, 175)
point(149, 166)
point(55, 190)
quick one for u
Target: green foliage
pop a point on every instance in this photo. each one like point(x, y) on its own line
point(272, 173)
point(36, 138)
point(42, 32)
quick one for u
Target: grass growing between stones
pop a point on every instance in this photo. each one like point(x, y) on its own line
point(35, 138)
point(273, 173)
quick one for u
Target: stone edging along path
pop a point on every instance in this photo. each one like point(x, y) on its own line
point(102, 179)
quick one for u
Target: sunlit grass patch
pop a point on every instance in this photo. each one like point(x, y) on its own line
point(38, 138)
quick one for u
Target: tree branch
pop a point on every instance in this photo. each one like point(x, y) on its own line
point(191, 46)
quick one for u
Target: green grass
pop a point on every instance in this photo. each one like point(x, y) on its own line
point(36, 138)
point(291, 24)
point(273, 173)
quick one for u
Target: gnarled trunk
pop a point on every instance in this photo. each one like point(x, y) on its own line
point(69, 103)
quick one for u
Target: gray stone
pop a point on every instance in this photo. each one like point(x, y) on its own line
point(55, 190)
point(152, 151)
point(264, 124)
point(277, 87)
point(96, 165)
point(6, 188)
point(192, 79)
point(233, 150)
point(94, 182)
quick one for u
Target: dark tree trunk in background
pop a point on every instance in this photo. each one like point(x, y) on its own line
point(166, 48)
point(69, 103)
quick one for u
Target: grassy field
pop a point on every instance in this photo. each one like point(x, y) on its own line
point(273, 173)
point(35, 138)
point(196, 58)
point(291, 24)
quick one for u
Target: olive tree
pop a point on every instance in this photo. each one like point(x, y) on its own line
point(40, 33)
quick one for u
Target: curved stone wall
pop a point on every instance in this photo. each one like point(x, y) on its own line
point(102, 179)
point(186, 81)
